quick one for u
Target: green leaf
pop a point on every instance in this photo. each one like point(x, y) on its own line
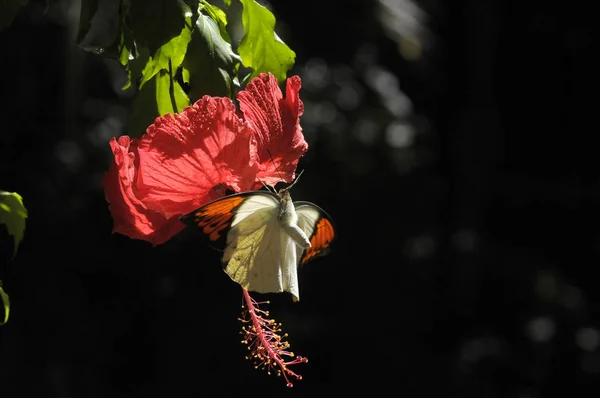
point(124, 53)
point(167, 91)
point(88, 9)
point(155, 22)
point(143, 110)
point(9, 10)
point(227, 3)
point(13, 214)
point(261, 49)
point(154, 100)
point(5, 303)
point(136, 66)
point(126, 49)
point(210, 59)
point(185, 75)
point(218, 16)
point(173, 51)
point(102, 30)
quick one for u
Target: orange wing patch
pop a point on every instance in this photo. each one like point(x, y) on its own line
point(320, 240)
point(216, 216)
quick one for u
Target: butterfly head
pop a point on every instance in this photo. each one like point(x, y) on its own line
point(284, 193)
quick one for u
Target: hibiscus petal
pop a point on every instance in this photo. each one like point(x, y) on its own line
point(276, 125)
point(131, 216)
point(185, 156)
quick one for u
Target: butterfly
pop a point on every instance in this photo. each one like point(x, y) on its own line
point(267, 236)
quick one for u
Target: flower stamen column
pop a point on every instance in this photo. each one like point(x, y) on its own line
point(266, 345)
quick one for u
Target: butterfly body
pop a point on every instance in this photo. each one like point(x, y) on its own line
point(288, 219)
point(267, 237)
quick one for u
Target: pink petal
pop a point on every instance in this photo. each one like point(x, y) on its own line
point(130, 215)
point(184, 156)
point(276, 125)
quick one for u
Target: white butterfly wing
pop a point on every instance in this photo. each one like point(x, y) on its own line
point(289, 265)
point(253, 256)
point(259, 254)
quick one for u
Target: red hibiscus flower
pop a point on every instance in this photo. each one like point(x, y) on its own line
point(187, 159)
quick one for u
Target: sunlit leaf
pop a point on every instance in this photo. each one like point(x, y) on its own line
point(155, 100)
point(185, 75)
point(173, 51)
point(227, 2)
point(136, 66)
point(210, 60)
point(261, 49)
point(167, 91)
point(5, 303)
point(9, 10)
point(124, 53)
point(13, 214)
point(218, 16)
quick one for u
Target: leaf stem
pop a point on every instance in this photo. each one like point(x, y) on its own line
point(172, 88)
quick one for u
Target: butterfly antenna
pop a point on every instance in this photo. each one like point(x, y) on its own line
point(266, 186)
point(280, 176)
point(296, 180)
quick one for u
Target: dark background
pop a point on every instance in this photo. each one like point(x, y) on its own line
point(451, 142)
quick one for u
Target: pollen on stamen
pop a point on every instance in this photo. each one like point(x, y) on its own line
point(265, 343)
